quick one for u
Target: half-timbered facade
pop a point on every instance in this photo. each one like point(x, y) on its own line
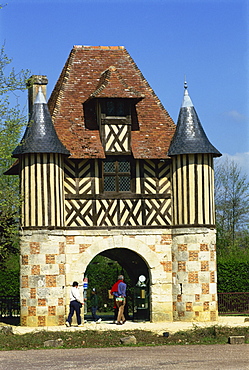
point(104, 170)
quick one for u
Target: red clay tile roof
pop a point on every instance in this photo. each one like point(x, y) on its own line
point(98, 71)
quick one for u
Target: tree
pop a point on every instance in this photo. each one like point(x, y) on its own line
point(11, 125)
point(232, 206)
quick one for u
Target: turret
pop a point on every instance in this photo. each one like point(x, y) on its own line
point(192, 163)
point(41, 169)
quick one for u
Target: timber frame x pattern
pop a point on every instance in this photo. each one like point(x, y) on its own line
point(145, 200)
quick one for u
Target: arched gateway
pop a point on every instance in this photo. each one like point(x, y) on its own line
point(104, 170)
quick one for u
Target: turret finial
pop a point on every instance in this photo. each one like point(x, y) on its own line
point(185, 83)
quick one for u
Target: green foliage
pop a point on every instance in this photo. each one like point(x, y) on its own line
point(232, 207)
point(102, 273)
point(10, 277)
point(11, 125)
point(233, 275)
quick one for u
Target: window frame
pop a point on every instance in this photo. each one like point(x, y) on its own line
point(117, 174)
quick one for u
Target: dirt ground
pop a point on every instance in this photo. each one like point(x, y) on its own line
point(171, 327)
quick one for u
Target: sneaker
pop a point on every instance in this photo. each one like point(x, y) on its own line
point(68, 324)
point(99, 320)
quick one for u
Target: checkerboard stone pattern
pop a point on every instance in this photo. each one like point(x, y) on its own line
point(194, 275)
point(42, 280)
point(181, 265)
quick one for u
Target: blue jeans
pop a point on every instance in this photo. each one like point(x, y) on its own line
point(74, 306)
point(94, 315)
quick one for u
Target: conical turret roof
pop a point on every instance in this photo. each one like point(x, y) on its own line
point(189, 137)
point(40, 135)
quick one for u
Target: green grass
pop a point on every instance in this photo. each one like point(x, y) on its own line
point(98, 339)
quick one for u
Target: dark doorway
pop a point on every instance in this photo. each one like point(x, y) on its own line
point(103, 271)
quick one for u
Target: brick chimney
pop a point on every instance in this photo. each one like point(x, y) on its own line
point(33, 84)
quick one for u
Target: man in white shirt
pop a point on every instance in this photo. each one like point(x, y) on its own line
point(75, 304)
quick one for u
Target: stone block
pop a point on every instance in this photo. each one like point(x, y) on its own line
point(53, 343)
point(204, 256)
point(161, 316)
point(204, 277)
point(6, 329)
point(128, 340)
point(42, 310)
point(52, 321)
point(193, 266)
point(189, 289)
point(236, 339)
point(32, 321)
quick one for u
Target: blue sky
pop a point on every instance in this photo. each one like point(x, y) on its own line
point(206, 40)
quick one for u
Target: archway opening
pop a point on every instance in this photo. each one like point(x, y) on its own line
point(102, 272)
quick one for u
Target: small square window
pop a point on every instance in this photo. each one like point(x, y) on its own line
point(117, 175)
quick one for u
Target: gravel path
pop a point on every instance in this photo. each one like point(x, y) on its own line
point(172, 327)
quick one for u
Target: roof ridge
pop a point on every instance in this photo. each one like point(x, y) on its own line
point(90, 47)
point(59, 85)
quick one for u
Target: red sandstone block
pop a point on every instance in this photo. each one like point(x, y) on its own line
point(41, 302)
point(205, 288)
point(167, 266)
point(70, 239)
point(193, 277)
point(51, 281)
point(204, 247)
point(181, 266)
point(41, 320)
point(31, 311)
point(50, 258)
point(204, 266)
point(34, 247)
point(24, 320)
point(193, 255)
point(35, 270)
point(51, 310)
point(25, 281)
point(182, 247)
point(61, 269)
point(61, 248)
point(212, 277)
point(25, 260)
point(205, 306)
point(83, 247)
point(189, 306)
point(33, 293)
point(61, 320)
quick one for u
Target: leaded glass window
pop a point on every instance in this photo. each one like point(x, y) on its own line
point(116, 175)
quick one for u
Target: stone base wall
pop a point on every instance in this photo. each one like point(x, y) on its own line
point(52, 260)
point(181, 269)
point(194, 274)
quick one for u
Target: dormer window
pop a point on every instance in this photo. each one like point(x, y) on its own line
point(115, 125)
point(114, 108)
